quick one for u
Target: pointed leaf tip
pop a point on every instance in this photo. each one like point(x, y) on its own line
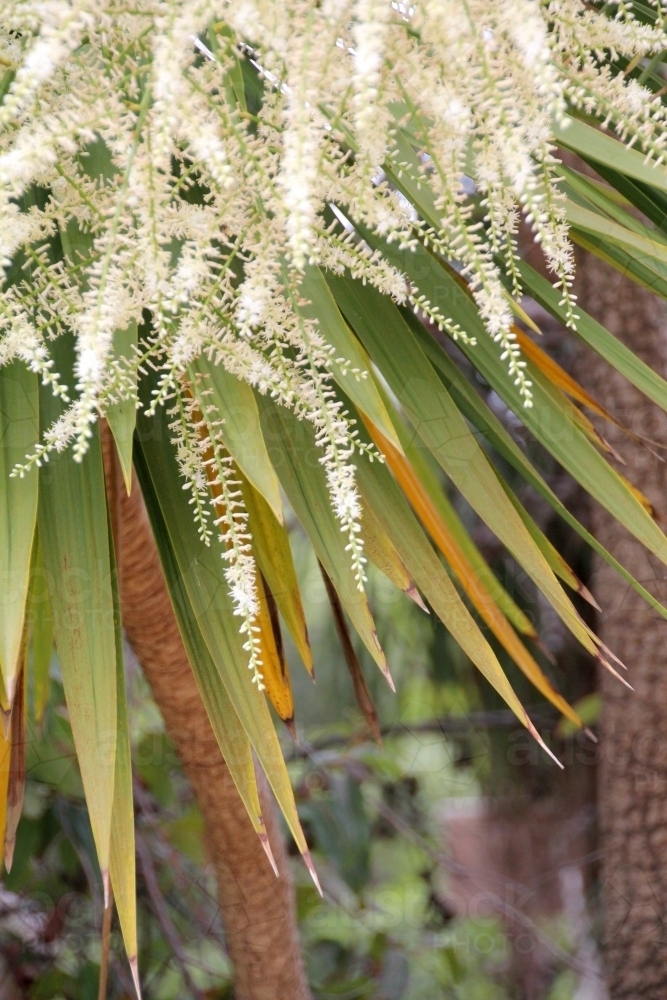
point(383, 665)
point(612, 655)
point(290, 725)
point(587, 596)
point(134, 969)
point(313, 874)
point(414, 594)
point(266, 844)
point(615, 673)
point(533, 732)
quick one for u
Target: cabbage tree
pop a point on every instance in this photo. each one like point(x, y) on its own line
point(247, 236)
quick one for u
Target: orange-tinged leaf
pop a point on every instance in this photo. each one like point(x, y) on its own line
point(582, 421)
point(5, 764)
point(644, 500)
point(559, 377)
point(420, 461)
point(433, 413)
point(271, 548)
point(470, 581)
point(274, 668)
point(379, 488)
point(16, 783)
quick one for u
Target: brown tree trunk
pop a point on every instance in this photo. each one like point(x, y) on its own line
point(633, 737)
point(258, 909)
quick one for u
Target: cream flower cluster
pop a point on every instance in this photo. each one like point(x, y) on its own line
point(186, 157)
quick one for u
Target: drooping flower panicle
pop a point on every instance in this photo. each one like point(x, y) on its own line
point(187, 155)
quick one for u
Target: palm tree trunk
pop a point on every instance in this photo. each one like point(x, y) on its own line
point(258, 910)
point(633, 727)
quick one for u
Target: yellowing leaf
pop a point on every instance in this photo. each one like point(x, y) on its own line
point(16, 784)
point(553, 427)
point(472, 584)
point(381, 552)
point(422, 463)
point(275, 671)
point(483, 418)
point(122, 863)
point(380, 491)
point(272, 551)
point(560, 379)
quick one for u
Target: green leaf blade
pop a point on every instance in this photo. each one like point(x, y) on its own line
point(19, 433)
point(74, 532)
point(241, 432)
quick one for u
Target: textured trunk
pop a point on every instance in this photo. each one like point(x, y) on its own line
point(258, 910)
point(633, 738)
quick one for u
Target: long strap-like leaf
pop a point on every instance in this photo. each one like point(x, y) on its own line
point(122, 860)
point(74, 532)
point(19, 431)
